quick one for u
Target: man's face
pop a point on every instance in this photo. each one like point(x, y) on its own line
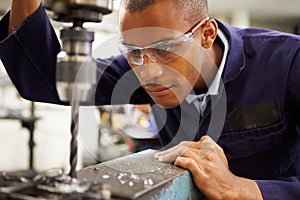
point(168, 78)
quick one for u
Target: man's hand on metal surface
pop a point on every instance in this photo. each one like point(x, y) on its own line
point(208, 164)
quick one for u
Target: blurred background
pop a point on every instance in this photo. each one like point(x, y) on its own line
point(37, 135)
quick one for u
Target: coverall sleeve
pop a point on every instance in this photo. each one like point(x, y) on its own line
point(287, 186)
point(29, 56)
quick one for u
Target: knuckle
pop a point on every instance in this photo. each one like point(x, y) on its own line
point(184, 143)
point(209, 156)
point(219, 148)
point(190, 162)
point(208, 168)
point(206, 138)
point(183, 148)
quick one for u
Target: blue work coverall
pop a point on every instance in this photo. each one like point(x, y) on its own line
point(261, 132)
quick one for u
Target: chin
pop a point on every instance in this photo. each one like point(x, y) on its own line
point(167, 103)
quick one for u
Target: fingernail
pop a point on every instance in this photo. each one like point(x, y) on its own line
point(175, 162)
point(156, 155)
point(161, 158)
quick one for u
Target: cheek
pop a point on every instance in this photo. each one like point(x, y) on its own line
point(193, 76)
point(137, 70)
point(187, 74)
point(185, 81)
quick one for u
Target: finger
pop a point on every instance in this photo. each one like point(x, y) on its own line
point(191, 165)
point(158, 154)
point(206, 138)
point(172, 154)
point(183, 145)
point(222, 154)
point(196, 145)
point(207, 145)
point(210, 145)
point(182, 151)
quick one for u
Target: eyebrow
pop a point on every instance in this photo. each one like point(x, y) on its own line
point(157, 42)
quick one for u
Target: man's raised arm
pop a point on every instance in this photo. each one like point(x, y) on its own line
point(20, 10)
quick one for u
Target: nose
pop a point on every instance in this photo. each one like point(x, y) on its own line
point(150, 69)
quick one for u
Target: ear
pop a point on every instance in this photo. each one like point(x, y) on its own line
point(209, 33)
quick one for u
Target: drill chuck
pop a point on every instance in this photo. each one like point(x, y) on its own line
point(75, 67)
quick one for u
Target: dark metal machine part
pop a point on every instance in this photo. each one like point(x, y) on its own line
point(136, 176)
point(76, 76)
point(28, 185)
point(75, 64)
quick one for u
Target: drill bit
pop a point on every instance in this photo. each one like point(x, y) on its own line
point(74, 133)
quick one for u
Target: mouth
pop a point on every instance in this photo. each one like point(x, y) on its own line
point(158, 91)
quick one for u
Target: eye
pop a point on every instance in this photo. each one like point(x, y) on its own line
point(160, 52)
point(171, 47)
point(135, 53)
point(166, 50)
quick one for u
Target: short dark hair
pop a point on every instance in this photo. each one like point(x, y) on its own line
point(193, 10)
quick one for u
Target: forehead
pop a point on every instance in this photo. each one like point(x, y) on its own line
point(158, 21)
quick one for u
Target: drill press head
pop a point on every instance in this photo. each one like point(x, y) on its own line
point(76, 68)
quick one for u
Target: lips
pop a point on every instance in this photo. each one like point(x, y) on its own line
point(156, 90)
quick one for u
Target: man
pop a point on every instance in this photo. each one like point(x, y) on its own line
point(257, 154)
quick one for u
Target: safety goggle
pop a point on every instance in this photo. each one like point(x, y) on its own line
point(162, 51)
